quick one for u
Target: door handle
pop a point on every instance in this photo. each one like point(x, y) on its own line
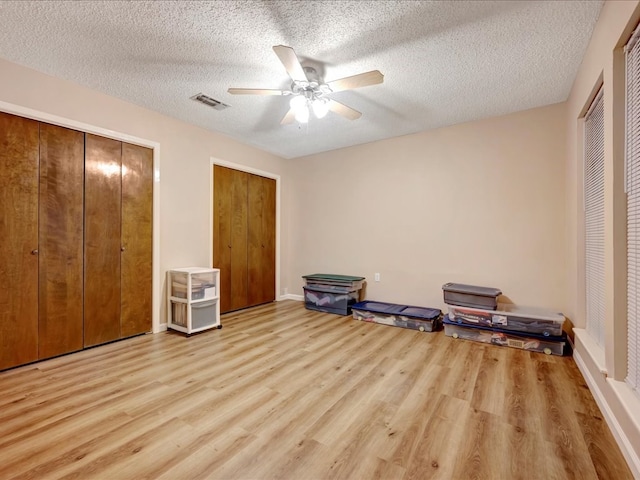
point(122, 249)
point(34, 251)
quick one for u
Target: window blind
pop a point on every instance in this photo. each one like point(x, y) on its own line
point(594, 217)
point(632, 185)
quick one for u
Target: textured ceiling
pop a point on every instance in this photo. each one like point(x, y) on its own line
point(444, 62)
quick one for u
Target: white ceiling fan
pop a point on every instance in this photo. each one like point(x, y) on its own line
point(310, 92)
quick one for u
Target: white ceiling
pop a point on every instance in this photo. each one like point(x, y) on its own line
point(444, 62)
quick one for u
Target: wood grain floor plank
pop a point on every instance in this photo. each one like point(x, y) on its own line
point(202, 462)
point(560, 426)
point(360, 437)
point(475, 453)
point(463, 366)
point(105, 404)
point(489, 391)
point(434, 451)
point(607, 459)
point(286, 393)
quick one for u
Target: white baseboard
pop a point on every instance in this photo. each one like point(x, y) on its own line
point(291, 296)
point(162, 327)
point(621, 438)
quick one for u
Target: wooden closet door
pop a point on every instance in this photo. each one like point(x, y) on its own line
point(239, 260)
point(230, 236)
point(222, 232)
point(261, 239)
point(102, 218)
point(18, 240)
point(137, 243)
point(61, 240)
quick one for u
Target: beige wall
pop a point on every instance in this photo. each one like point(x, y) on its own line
point(185, 153)
point(604, 367)
point(479, 203)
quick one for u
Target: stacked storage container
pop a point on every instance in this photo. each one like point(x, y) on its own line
point(406, 316)
point(332, 293)
point(475, 314)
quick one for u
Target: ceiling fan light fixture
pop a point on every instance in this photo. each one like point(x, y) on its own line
point(302, 114)
point(298, 102)
point(320, 108)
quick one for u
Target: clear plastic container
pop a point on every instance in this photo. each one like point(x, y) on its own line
point(203, 284)
point(511, 317)
point(534, 343)
point(471, 295)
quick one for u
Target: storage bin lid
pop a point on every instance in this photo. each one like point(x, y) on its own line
point(395, 309)
point(333, 277)
point(471, 289)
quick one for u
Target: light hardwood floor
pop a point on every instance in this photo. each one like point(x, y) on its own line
point(283, 392)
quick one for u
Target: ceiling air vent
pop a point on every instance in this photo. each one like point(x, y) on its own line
point(211, 102)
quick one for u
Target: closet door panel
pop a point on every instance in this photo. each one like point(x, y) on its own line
point(268, 259)
point(61, 240)
point(137, 234)
point(103, 195)
point(18, 240)
point(222, 232)
point(239, 260)
point(255, 209)
point(261, 240)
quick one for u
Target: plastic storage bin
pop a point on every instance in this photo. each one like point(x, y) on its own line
point(327, 300)
point(405, 316)
point(510, 317)
point(534, 343)
point(471, 295)
point(339, 283)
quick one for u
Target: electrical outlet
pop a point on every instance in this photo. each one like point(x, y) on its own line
point(376, 277)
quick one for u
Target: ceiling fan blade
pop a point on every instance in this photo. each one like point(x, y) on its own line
point(341, 109)
point(289, 117)
point(254, 91)
point(356, 81)
point(291, 63)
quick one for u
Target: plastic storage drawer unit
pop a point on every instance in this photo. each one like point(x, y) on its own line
point(327, 300)
point(534, 343)
point(471, 295)
point(511, 318)
point(405, 316)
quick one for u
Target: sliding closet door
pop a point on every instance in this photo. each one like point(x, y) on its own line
point(261, 248)
point(18, 240)
point(137, 245)
point(103, 194)
point(61, 240)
